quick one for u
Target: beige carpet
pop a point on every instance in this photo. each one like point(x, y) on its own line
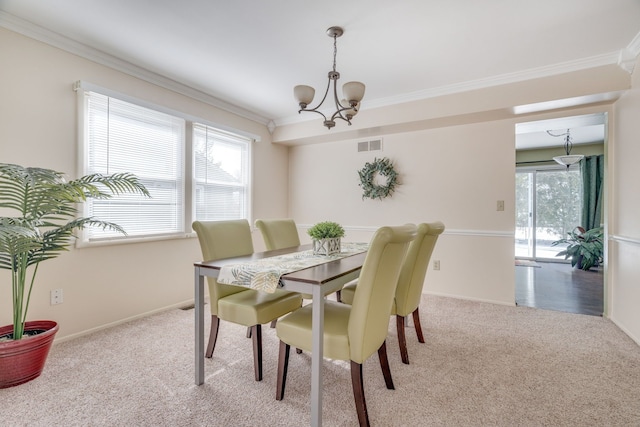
point(483, 364)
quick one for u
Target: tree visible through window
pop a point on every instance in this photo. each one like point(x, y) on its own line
point(221, 174)
point(548, 205)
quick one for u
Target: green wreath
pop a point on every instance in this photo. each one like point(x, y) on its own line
point(367, 174)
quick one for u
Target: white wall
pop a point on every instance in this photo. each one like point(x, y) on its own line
point(624, 220)
point(38, 128)
point(454, 174)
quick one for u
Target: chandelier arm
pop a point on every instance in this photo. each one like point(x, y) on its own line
point(315, 109)
point(338, 115)
point(339, 107)
point(312, 111)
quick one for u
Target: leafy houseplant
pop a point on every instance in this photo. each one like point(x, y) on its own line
point(326, 237)
point(46, 207)
point(585, 247)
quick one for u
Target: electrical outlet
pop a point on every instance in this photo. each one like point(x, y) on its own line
point(500, 205)
point(56, 296)
point(436, 265)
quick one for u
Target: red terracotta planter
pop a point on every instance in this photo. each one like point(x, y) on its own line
point(23, 360)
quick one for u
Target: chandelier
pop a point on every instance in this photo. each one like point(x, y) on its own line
point(353, 92)
point(568, 159)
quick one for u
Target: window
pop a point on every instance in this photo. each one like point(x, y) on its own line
point(154, 144)
point(548, 205)
point(221, 174)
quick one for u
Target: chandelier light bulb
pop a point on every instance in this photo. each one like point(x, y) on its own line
point(353, 92)
point(304, 95)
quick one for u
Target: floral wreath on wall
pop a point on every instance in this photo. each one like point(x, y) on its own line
point(367, 174)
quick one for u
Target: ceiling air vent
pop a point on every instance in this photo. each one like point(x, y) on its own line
point(363, 146)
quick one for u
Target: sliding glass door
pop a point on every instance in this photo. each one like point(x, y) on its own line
point(548, 204)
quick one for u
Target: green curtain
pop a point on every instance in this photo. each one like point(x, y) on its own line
point(592, 172)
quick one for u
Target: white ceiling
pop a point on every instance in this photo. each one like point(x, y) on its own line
point(586, 129)
point(251, 53)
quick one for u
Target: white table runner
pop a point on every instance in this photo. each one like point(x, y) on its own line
point(264, 274)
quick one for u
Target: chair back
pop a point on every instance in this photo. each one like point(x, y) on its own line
point(223, 239)
point(278, 233)
point(373, 298)
point(414, 268)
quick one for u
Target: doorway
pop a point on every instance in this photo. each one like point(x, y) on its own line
point(549, 204)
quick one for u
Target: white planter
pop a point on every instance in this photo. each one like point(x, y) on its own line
point(326, 246)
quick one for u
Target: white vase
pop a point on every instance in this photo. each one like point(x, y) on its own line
point(326, 246)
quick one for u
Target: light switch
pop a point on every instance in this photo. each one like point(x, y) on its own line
point(500, 206)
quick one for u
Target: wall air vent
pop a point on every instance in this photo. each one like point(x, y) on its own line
point(373, 145)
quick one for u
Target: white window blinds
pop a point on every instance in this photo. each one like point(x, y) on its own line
point(221, 171)
point(124, 137)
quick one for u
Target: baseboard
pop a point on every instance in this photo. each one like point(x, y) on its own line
point(186, 303)
point(625, 330)
point(439, 294)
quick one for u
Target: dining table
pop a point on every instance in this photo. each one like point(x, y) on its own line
point(318, 280)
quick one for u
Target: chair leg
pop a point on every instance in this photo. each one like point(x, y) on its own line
point(358, 393)
point(273, 323)
point(339, 296)
point(384, 364)
point(248, 331)
point(256, 332)
point(283, 364)
point(213, 335)
point(416, 322)
point(402, 339)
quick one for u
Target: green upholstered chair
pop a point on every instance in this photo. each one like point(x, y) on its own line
point(410, 283)
point(278, 233)
point(248, 307)
point(354, 332)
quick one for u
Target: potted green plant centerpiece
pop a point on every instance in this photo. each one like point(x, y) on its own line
point(326, 237)
point(585, 247)
point(44, 206)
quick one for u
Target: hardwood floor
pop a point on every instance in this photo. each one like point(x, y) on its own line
point(557, 286)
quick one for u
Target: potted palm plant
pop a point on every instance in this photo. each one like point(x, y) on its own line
point(45, 218)
point(584, 247)
point(326, 237)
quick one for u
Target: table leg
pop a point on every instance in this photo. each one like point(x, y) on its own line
point(199, 322)
point(317, 325)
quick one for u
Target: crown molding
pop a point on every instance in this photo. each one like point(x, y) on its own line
point(51, 38)
point(503, 79)
point(634, 46)
point(629, 55)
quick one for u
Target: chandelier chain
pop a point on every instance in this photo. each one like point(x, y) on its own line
point(335, 51)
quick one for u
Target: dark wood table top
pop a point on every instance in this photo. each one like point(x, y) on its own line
point(318, 274)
